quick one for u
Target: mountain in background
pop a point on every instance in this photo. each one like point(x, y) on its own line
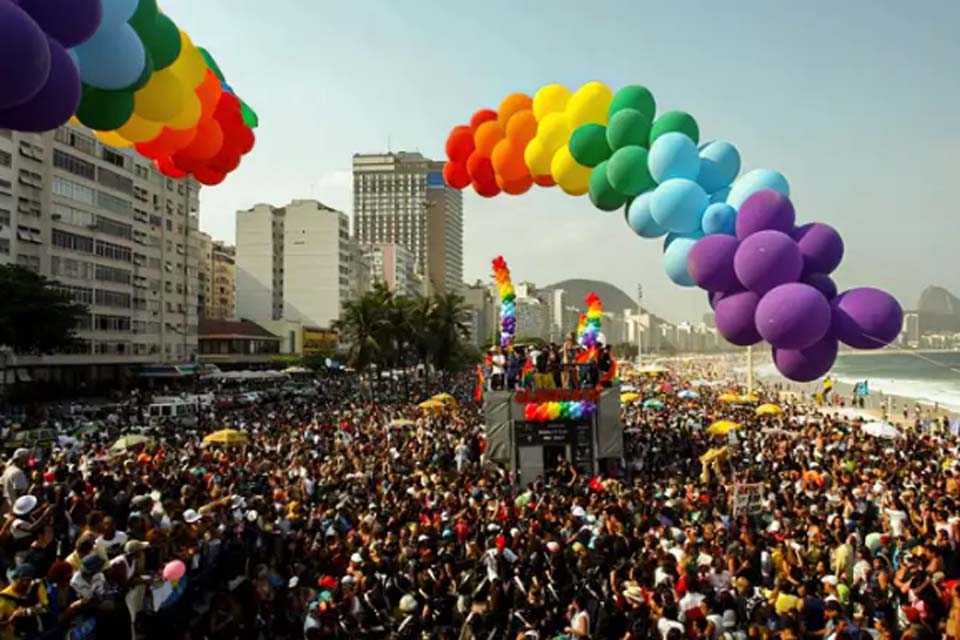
point(939, 300)
point(576, 290)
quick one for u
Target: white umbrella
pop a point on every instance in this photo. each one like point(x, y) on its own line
point(881, 430)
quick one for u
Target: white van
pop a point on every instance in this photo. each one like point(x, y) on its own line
point(184, 413)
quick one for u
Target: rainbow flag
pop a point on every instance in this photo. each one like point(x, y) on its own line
point(478, 389)
point(610, 376)
point(526, 374)
point(587, 356)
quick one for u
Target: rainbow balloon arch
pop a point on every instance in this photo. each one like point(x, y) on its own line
point(124, 69)
point(737, 238)
point(508, 302)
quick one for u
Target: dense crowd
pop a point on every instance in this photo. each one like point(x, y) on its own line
point(350, 514)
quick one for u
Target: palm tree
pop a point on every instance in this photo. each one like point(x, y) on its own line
point(359, 326)
point(421, 317)
point(448, 330)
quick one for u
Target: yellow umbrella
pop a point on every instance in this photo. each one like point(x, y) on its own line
point(748, 398)
point(226, 436)
point(729, 397)
point(629, 397)
point(713, 454)
point(769, 409)
point(431, 405)
point(722, 427)
point(445, 398)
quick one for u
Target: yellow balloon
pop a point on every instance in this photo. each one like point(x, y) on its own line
point(189, 66)
point(572, 177)
point(537, 158)
point(189, 114)
point(112, 139)
point(554, 132)
point(549, 99)
point(589, 105)
point(136, 129)
point(161, 99)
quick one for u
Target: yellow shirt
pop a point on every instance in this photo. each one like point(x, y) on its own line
point(8, 606)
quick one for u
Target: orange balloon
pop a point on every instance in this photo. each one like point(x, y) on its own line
point(507, 159)
point(168, 142)
point(208, 141)
point(515, 187)
point(544, 181)
point(487, 136)
point(522, 127)
point(209, 93)
point(511, 104)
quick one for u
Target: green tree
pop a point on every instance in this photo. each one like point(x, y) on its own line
point(359, 326)
point(35, 318)
point(448, 330)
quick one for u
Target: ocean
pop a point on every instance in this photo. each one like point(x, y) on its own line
point(931, 376)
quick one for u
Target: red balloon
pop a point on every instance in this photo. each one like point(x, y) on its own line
point(207, 142)
point(484, 115)
point(209, 92)
point(228, 109)
point(456, 175)
point(244, 139)
point(226, 160)
point(544, 181)
point(480, 169)
point(460, 144)
point(486, 189)
point(187, 163)
point(167, 168)
point(167, 142)
point(209, 177)
point(515, 187)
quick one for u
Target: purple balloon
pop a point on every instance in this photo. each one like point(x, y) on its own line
point(734, 318)
point(56, 101)
point(822, 283)
point(24, 56)
point(713, 297)
point(767, 259)
point(69, 22)
point(793, 316)
point(866, 318)
point(821, 247)
point(710, 263)
point(765, 210)
point(804, 365)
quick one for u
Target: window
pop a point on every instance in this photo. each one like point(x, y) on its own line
point(140, 215)
point(31, 179)
point(156, 221)
point(114, 180)
point(29, 234)
point(114, 204)
point(71, 242)
point(112, 274)
point(5, 159)
point(73, 164)
point(28, 206)
point(73, 190)
point(70, 268)
point(78, 141)
point(4, 218)
point(30, 262)
point(113, 228)
point(82, 295)
point(154, 263)
point(4, 247)
point(114, 251)
point(110, 348)
point(114, 158)
point(73, 216)
point(107, 298)
point(169, 225)
point(31, 151)
point(111, 323)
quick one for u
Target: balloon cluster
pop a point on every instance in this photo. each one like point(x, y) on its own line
point(735, 237)
point(566, 410)
point(508, 302)
point(124, 69)
point(770, 280)
point(588, 329)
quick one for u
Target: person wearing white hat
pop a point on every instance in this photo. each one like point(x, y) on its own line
point(13, 480)
point(27, 521)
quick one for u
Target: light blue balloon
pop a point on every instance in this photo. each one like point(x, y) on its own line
point(719, 165)
point(696, 235)
point(673, 155)
point(757, 180)
point(720, 196)
point(675, 261)
point(641, 220)
point(677, 205)
point(720, 218)
point(111, 59)
point(116, 13)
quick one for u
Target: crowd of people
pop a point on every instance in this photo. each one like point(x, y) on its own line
point(550, 366)
point(348, 513)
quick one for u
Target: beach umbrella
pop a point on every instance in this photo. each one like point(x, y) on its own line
point(228, 437)
point(445, 399)
point(722, 427)
point(729, 398)
point(768, 409)
point(431, 405)
point(687, 394)
point(748, 398)
point(129, 442)
point(399, 423)
point(653, 403)
point(883, 430)
point(713, 454)
point(629, 397)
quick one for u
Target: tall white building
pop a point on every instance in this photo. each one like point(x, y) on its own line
point(293, 263)
point(402, 198)
point(393, 265)
point(115, 235)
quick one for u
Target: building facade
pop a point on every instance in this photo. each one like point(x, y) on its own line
point(216, 275)
point(393, 265)
point(483, 312)
point(293, 263)
point(401, 198)
point(112, 233)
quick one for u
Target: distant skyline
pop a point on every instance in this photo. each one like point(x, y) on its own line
point(854, 102)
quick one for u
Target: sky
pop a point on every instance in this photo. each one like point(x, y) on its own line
point(856, 102)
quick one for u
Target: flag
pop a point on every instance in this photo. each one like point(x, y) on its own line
point(586, 356)
point(610, 376)
point(827, 387)
point(526, 374)
point(478, 390)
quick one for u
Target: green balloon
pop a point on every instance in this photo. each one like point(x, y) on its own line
point(678, 121)
point(250, 117)
point(588, 145)
point(104, 110)
point(634, 96)
point(602, 194)
point(627, 171)
point(211, 63)
point(145, 17)
point(163, 42)
point(628, 127)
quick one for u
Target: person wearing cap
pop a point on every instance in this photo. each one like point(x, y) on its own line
point(21, 604)
point(13, 480)
point(89, 582)
point(26, 519)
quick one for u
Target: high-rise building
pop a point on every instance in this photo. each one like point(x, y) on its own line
point(401, 198)
point(482, 306)
point(293, 263)
point(393, 265)
point(111, 232)
point(215, 278)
